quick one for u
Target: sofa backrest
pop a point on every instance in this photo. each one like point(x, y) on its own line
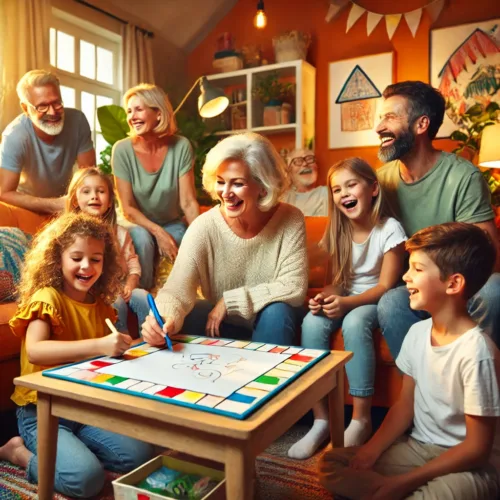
point(27, 221)
point(318, 259)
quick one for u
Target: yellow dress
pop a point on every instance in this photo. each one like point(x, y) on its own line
point(68, 320)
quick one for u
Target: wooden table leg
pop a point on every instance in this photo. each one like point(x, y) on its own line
point(47, 446)
point(240, 477)
point(336, 407)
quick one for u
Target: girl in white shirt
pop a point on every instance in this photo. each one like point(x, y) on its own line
point(366, 259)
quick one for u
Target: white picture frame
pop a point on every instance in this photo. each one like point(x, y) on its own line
point(378, 72)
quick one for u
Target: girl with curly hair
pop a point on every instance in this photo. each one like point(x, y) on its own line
point(71, 278)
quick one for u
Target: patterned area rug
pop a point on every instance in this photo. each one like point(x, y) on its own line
point(277, 476)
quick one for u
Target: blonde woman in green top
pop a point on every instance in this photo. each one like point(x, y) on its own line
point(154, 177)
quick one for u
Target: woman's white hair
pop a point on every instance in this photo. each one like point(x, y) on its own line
point(154, 97)
point(35, 78)
point(257, 152)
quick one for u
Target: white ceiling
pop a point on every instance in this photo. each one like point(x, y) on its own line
point(182, 22)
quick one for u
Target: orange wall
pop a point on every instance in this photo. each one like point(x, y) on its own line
point(332, 43)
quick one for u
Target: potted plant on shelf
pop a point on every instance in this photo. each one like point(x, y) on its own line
point(275, 96)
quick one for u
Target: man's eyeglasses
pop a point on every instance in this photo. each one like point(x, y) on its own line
point(300, 161)
point(43, 108)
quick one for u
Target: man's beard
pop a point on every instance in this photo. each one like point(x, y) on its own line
point(50, 127)
point(401, 146)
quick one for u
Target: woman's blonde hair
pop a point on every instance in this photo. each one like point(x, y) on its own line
point(257, 152)
point(337, 240)
point(43, 267)
point(154, 97)
point(79, 176)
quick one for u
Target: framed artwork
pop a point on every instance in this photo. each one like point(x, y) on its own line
point(354, 97)
point(465, 67)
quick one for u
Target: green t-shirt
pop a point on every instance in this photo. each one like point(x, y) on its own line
point(453, 190)
point(156, 194)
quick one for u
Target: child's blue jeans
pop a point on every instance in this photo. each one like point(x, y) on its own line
point(83, 452)
point(357, 327)
point(138, 303)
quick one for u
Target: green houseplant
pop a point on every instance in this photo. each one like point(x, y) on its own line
point(271, 91)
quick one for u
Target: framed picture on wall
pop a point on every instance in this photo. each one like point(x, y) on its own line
point(354, 97)
point(465, 67)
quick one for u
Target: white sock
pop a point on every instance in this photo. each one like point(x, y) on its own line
point(305, 448)
point(357, 433)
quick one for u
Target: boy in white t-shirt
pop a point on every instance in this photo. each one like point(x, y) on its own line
point(450, 387)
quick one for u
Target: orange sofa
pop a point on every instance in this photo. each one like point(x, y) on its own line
point(10, 345)
point(387, 378)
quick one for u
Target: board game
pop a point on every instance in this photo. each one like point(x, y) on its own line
point(223, 376)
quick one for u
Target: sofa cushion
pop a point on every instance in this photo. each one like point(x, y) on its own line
point(13, 246)
point(11, 345)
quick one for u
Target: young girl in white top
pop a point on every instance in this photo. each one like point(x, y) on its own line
point(91, 191)
point(366, 259)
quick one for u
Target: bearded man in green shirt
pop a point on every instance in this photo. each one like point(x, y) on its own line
point(426, 186)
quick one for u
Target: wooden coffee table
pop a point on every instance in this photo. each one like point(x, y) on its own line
point(235, 443)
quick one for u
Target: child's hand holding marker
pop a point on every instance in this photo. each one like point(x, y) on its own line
point(116, 343)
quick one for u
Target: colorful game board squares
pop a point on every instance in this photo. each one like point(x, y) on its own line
point(312, 353)
point(110, 361)
point(136, 352)
point(289, 367)
point(222, 342)
point(301, 357)
point(238, 344)
point(210, 401)
point(254, 345)
point(155, 389)
point(209, 342)
point(114, 380)
point(100, 378)
point(261, 386)
point(127, 384)
point(296, 362)
point(86, 365)
point(141, 386)
point(266, 347)
point(99, 363)
point(83, 375)
point(255, 393)
point(66, 370)
point(170, 392)
point(233, 406)
point(275, 372)
point(189, 396)
point(278, 349)
point(293, 350)
point(189, 339)
point(241, 398)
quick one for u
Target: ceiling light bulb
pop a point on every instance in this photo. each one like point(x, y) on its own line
point(260, 19)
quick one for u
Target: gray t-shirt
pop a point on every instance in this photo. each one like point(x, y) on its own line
point(157, 193)
point(313, 203)
point(46, 168)
point(453, 190)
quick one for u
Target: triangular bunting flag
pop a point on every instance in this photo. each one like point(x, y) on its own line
point(413, 20)
point(391, 23)
point(371, 22)
point(354, 15)
point(434, 9)
point(334, 9)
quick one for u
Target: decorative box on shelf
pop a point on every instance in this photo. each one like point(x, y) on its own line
point(227, 60)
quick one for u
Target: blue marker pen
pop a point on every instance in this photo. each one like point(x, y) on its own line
point(152, 305)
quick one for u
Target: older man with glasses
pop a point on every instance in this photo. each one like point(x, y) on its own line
point(40, 147)
point(304, 194)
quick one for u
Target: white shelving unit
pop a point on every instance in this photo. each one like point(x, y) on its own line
point(304, 77)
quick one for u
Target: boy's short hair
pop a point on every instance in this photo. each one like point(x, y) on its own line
point(458, 247)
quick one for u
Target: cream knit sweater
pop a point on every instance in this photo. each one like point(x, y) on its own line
point(248, 273)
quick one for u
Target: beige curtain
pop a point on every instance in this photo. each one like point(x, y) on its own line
point(24, 45)
point(137, 58)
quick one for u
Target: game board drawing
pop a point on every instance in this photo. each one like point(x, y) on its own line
point(228, 377)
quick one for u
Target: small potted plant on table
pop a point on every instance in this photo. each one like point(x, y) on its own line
point(274, 95)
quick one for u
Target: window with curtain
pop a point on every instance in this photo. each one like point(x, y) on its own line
point(87, 60)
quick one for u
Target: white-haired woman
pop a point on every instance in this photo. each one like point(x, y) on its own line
point(248, 254)
point(154, 176)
